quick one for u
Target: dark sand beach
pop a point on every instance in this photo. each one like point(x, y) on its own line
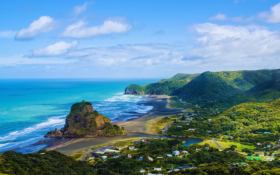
point(134, 126)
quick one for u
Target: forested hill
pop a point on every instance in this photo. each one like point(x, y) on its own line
point(221, 85)
point(212, 86)
point(164, 86)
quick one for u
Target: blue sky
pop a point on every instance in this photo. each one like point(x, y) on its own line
point(136, 39)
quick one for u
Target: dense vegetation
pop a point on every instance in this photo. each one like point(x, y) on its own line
point(181, 77)
point(162, 87)
point(212, 86)
point(51, 162)
point(246, 123)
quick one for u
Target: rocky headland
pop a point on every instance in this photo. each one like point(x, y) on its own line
point(83, 121)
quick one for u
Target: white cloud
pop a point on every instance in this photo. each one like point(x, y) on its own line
point(273, 16)
point(219, 17)
point(236, 46)
point(79, 9)
point(79, 29)
point(7, 34)
point(43, 25)
point(56, 49)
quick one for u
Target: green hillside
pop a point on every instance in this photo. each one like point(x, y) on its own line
point(164, 86)
point(221, 85)
point(180, 76)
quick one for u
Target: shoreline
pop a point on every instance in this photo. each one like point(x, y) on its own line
point(132, 126)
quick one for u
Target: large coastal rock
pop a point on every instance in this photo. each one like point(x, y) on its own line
point(83, 121)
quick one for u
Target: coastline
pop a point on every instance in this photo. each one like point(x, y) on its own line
point(132, 126)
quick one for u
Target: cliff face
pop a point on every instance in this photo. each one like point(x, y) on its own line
point(83, 121)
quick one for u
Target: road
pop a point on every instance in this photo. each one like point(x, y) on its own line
point(166, 127)
point(217, 144)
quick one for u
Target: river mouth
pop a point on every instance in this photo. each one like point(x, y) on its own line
point(188, 141)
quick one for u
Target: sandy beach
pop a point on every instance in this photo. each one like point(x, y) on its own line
point(139, 125)
point(134, 126)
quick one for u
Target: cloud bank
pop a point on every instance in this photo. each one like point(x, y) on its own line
point(56, 49)
point(43, 25)
point(80, 30)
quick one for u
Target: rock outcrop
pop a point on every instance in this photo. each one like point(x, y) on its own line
point(134, 89)
point(83, 121)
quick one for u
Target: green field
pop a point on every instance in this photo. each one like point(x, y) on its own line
point(227, 144)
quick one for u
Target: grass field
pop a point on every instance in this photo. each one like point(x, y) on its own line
point(154, 126)
point(227, 144)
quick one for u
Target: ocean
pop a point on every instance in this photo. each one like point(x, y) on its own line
point(29, 108)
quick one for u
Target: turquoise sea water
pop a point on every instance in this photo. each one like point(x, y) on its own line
point(29, 108)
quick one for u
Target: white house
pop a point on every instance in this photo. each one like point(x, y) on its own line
point(209, 120)
point(168, 155)
point(197, 149)
point(131, 147)
point(150, 159)
point(110, 151)
point(185, 152)
point(176, 153)
point(157, 169)
point(91, 158)
point(104, 157)
point(192, 129)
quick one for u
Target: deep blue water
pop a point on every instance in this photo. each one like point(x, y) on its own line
point(29, 108)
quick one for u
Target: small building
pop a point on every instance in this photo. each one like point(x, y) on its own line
point(260, 155)
point(176, 153)
point(209, 120)
point(91, 158)
point(238, 164)
point(129, 156)
point(206, 148)
point(192, 129)
point(185, 152)
point(116, 156)
point(208, 131)
point(150, 159)
point(131, 147)
point(157, 169)
point(268, 159)
point(259, 144)
point(168, 155)
point(266, 132)
point(268, 146)
point(99, 152)
point(140, 158)
point(197, 149)
point(104, 158)
point(159, 158)
point(108, 151)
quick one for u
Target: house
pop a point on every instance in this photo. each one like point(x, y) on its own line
point(157, 169)
point(266, 132)
point(150, 159)
point(259, 144)
point(131, 148)
point(168, 155)
point(179, 126)
point(238, 164)
point(209, 120)
point(116, 156)
point(231, 137)
point(192, 129)
point(197, 149)
point(129, 155)
point(268, 146)
point(141, 158)
point(108, 151)
point(159, 158)
point(206, 148)
point(91, 158)
point(176, 153)
point(185, 152)
point(99, 152)
point(260, 155)
point(142, 171)
point(268, 159)
point(208, 131)
point(189, 123)
point(104, 158)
